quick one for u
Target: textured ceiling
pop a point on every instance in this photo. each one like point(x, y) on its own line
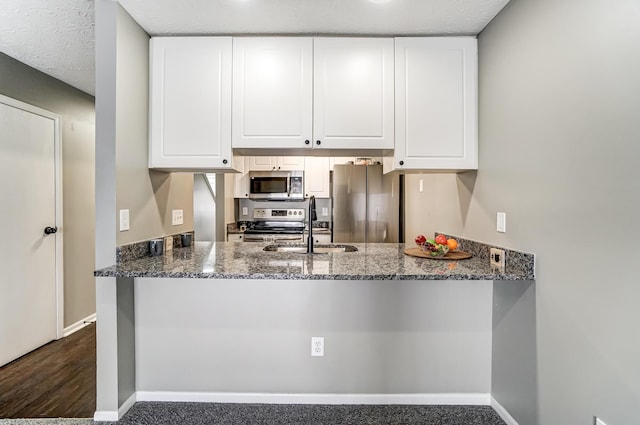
point(57, 36)
point(54, 36)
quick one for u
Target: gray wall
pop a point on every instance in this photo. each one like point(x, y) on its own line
point(559, 149)
point(150, 196)
point(77, 113)
point(559, 132)
point(381, 337)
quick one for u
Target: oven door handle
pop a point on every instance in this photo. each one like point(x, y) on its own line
point(295, 238)
point(252, 238)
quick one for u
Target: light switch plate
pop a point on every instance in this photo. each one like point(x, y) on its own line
point(325, 211)
point(177, 217)
point(124, 220)
point(501, 222)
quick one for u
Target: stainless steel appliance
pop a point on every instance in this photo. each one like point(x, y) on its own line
point(276, 225)
point(276, 185)
point(366, 204)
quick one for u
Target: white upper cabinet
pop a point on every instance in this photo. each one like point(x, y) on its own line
point(272, 92)
point(241, 180)
point(353, 93)
point(276, 163)
point(190, 107)
point(436, 104)
point(316, 176)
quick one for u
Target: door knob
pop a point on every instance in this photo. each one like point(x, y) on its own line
point(49, 230)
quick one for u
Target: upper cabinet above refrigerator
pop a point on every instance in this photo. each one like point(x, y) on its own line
point(312, 93)
point(436, 105)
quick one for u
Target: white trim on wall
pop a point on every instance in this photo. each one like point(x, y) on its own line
point(502, 412)
point(75, 327)
point(113, 416)
point(474, 399)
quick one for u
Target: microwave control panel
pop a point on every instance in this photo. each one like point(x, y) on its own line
point(294, 214)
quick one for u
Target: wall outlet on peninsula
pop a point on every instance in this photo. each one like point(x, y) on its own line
point(496, 258)
point(317, 346)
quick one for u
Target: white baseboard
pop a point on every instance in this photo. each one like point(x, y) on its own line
point(114, 416)
point(78, 325)
point(476, 399)
point(502, 412)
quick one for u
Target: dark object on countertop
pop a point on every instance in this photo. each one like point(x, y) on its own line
point(185, 239)
point(156, 246)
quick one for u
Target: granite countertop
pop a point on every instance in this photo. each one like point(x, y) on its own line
point(374, 261)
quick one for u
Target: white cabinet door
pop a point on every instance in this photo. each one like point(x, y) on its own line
point(316, 177)
point(272, 92)
point(241, 180)
point(276, 163)
point(353, 93)
point(235, 237)
point(262, 163)
point(436, 104)
point(190, 109)
point(290, 163)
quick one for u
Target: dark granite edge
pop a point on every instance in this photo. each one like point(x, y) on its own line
point(114, 272)
point(516, 261)
point(137, 250)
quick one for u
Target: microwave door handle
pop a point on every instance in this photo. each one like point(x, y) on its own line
point(288, 186)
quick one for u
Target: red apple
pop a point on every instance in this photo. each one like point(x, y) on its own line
point(420, 240)
point(441, 239)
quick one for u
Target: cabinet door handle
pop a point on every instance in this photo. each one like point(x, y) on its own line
point(401, 162)
point(318, 142)
point(224, 161)
point(306, 142)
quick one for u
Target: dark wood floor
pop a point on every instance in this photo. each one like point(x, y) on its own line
point(57, 380)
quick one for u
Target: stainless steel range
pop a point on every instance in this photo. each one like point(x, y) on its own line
point(276, 225)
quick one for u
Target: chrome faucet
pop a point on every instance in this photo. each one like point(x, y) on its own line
point(312, 217)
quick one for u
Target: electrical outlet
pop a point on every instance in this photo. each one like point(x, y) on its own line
point(325, 212)
point(497, 258)
point(317, 346)
point(177, 217)
point(124, 220)
point(245, 211)
point(168, 243)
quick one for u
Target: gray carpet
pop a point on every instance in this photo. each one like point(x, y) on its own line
point(56, 421)
point(156, 413)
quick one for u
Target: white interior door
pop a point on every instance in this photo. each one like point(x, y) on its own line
point(29, 291)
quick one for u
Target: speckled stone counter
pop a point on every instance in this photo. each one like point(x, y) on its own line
point(248, 261)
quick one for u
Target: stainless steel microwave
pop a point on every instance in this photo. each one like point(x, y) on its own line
point(276, 185)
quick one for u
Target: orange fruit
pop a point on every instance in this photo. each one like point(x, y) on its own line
point(452, 244)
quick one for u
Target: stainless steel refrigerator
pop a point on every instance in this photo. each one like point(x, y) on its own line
point(366, 204)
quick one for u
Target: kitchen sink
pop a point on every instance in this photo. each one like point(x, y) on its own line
point(317, 249)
